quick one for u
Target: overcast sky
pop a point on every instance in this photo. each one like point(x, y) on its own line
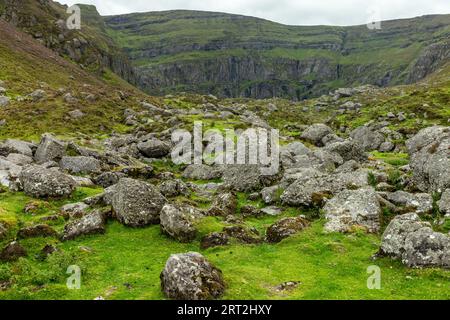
point(294, 12)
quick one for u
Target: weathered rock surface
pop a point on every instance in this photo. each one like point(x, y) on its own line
point(224, 204)
point(430, 161)
point(93, 223)
point(352, 208)
point(214, 239)
point(316, 133)
point(136, 203)
point(367, 137)
point(190, 276)
point(80, 164)
point(74, 210)
point(49, 149)
point(173, 187)
point(40, 182)
point(179, 222)
point(285, 228)
point(420, 203)
point(154, 148)
point(202, 172)
point(15, 146)
point(444, 203)
point(415, 243)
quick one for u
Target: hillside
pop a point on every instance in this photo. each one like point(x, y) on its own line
point(239, 56)
point(88, 181)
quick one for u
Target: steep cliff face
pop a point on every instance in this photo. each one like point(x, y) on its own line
point(90, 46)
point(430, 59)
point(237, 56)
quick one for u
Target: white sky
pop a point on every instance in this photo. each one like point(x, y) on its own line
point(293, 12)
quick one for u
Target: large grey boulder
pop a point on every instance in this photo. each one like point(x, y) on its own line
point(444, 203)
point(136, 203)
point(312, 187)
point(348, 150)
point(289, 153)
point(80, 164)
point(40, 182)
point(414, 242)
point(16, 146)
point(108, 179)
point(19, 159)
point(179, 222)
point(316, 133)
point(430, 161)
point(420, 203)
point(202, 172)
point(93, 223)
point(154, 148)
point(189, 276)
point(49, 149)
point(245, 178)
point(174, 187)
point(367, 137)
point(352, 208)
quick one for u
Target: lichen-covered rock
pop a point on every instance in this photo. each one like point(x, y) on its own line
point(316, 133)
point(93, 223)
point(414, 242)
point(40, 182)
point(49, 149)
point(108, 179)
point(421, 203)
point(40, 230)
point(80, 164)
point(15, 146)
point(179, 222)
point(313, 188)
point(189, 276)
point(74, 210)
point(285, 228)
point(154, 148)
point(245, 178)
point(348, 150)
point(136, 203)
point(444, 203)
point(367, 137)
point(12, 252)
point(19, 159)
point(430, 161)
point(173, 187)
point(202, 172)
point(352, 208)
point(224, 204)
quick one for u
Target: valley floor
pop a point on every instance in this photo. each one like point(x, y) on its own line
point(126, 263)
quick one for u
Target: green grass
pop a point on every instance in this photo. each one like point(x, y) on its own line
point(394, 159)
point(126, 263)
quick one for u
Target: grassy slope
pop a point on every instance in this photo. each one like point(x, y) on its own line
point(26, 66)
